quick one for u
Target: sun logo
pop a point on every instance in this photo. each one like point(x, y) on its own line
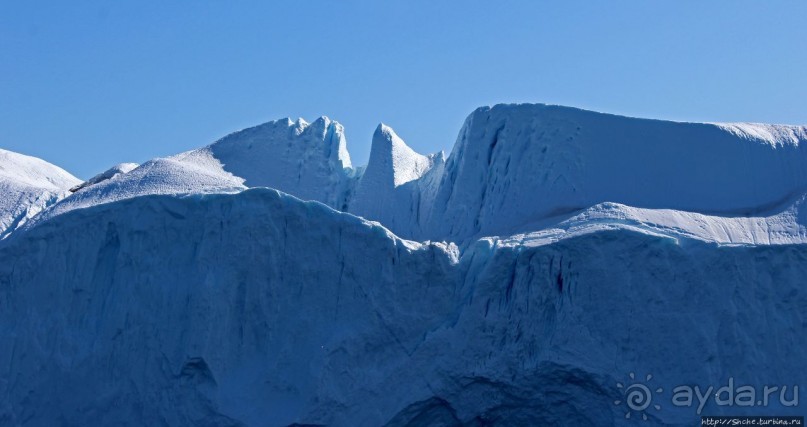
point(638, 396)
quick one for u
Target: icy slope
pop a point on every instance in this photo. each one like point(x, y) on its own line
point(392, 162)
point(787, 227)
point(258, 309)
point(111, 173)
point(307, 160)
point(521, 168)
point(396, 185)
point(28, 185)
point(178, 175)
point(515, 164)
point(310, 161)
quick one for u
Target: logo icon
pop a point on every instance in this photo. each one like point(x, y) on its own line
point(637, 396)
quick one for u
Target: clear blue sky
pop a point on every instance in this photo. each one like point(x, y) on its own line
point(89, 84)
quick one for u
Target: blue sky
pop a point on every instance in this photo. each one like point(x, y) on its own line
point(89, 84)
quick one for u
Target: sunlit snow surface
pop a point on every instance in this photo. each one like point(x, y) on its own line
point(514, 282)
point(514, 169)
point(28, 185)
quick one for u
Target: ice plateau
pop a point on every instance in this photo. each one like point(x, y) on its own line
point(264, 280)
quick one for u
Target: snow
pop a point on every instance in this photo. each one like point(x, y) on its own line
point(178, 175)
point(514, 164)
point(32, 172)
point(28, 185)
point(110, 173)
point(784, 228)
point(396, 180)
point(515, 282)
point(392, 161)
point(776, 135)
point(307, 160)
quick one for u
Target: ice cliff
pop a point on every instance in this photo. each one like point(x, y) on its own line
point(515, 282)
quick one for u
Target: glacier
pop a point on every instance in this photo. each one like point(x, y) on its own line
point(265, 280)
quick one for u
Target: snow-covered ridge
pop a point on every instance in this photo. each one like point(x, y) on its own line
point(391, 160)
point(775, 135)
point(33, 172)
point(512, 167)
point(307, 160)
point(110, 173)
point(397, 184)
point(514, 164)
point(310, 161)
point(28, 185)
point(784, 228)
